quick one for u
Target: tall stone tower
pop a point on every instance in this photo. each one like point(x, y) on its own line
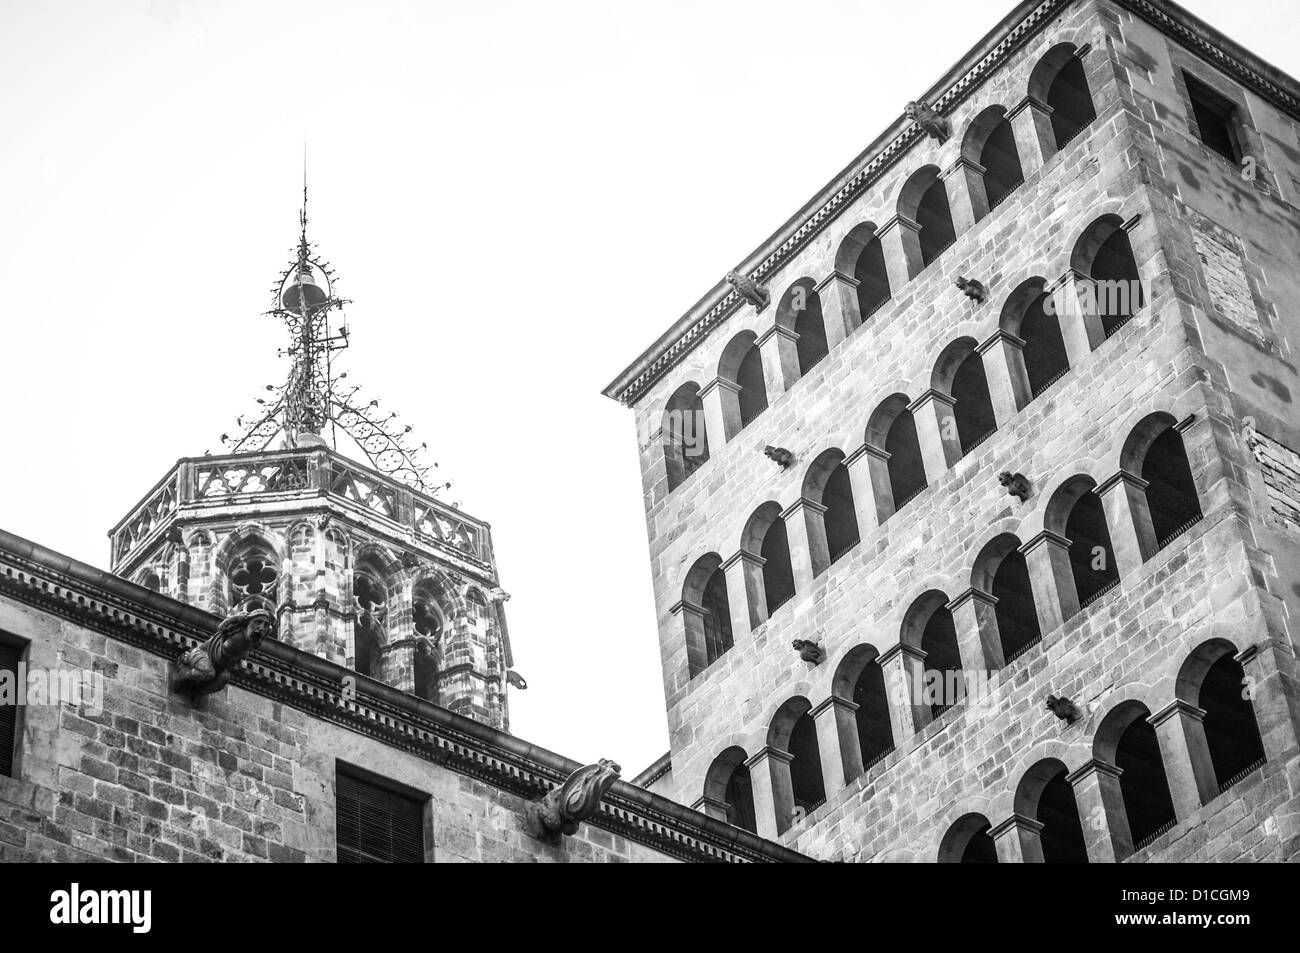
point(973, 492)
point(362, 563)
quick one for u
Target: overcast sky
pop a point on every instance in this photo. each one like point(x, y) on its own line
point(519, 198)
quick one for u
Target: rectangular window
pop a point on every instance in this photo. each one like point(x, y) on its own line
point(377, 824)
point(9, 656)
point(1216, 119)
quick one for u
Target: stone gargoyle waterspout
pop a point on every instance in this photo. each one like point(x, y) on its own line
point(206, 668)
point(559, 812)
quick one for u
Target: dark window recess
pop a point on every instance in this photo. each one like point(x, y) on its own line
point(8, 713)
point(376, 825)
point(1071, 102)
point(1216, 119)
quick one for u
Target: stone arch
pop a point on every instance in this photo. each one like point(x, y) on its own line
point(1075, 512)
point(793, 732)
point(765, 536)
point(741, 367)
point(728, 784)
point(1167, 501)
point(928, 625)
point(1126, 739)
point(924, 200)
point(800, 311)
point(1044, 794)
point(894, 462)
point(989, 146)
point(1107, 276)
point(1030, 315)
point(1229, 744)
point(967, 841)
point(683, 434)
point(959, 374)
point(1000, 570)
point(832, 531)
point(256, 553)
point(858, 678)
point(706, 613)
point(1059, 81)
point(862, 257)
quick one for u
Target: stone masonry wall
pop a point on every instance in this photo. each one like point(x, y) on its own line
point(1215, 581)
point(249, 779)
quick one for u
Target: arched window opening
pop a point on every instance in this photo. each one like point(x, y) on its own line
point(728, 781)
point(685, 442)
point(1116, 283)
point(149, 579)
point(1171, 492)
point(968, 842)
point(1092, 557)
point(1046, 360)
point(1231, 729)
point(753, 392)
point(942, 661)
point(934, 216)
point(875, 734)
point(740, 800)
point(1062, 833)
point(1015, 612)
point(806, 765)
point(1003, 173)
point(841, 517)
point(906, 468)
point(1070, 101)
point(972, 405)
point(872, 278)
point(1143, 784)
point(811, 328)
point(717, 617)
point(778, 573)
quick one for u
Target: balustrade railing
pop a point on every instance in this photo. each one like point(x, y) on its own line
point(296, 473)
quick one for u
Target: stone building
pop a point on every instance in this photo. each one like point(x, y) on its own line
point(973, 493)
point(146, 716)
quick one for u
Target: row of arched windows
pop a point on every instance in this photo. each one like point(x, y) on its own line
point(1031, 586)
point(1059, 90)
point(1162, 766)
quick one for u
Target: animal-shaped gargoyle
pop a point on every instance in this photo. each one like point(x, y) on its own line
point(750, 290)
point(1063, 708)
point(972, 288)
point(206, 668)
point(808, 650)
point(779, 455)
point(1017, 484)
point(560, 811)
point(931, 123)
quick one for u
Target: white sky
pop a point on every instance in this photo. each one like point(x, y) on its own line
point(519, 198)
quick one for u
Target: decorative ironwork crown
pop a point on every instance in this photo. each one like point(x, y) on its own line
point(311, 406)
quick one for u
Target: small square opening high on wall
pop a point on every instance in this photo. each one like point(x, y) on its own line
point(1216, 119)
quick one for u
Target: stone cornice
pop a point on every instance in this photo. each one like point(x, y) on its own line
point(97, 600)
point(1022, 25)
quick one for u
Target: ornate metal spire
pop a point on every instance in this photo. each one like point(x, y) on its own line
point(311, 406)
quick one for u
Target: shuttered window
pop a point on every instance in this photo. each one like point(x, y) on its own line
point(8, 709)
point(376, 825)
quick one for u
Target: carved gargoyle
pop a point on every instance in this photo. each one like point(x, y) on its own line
point(1016, 484)
point(1063, 708)
point(560, 811)
point(515, 680)
point(972, 288)
point(779, 455)
point(931, 123)
point(809, 650)
point(750, 290)
point(206, 668)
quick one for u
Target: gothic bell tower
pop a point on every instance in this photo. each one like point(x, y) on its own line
point(351, 548)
